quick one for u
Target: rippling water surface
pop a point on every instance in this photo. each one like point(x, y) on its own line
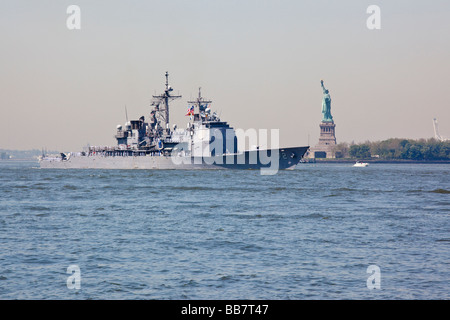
point(310, 233)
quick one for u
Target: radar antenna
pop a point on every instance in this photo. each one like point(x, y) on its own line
point(200, 104)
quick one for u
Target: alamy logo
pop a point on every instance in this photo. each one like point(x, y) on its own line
point(73, 22)
point(219, 147)
point(374, 280)
point(74, 280)
point(374, 20)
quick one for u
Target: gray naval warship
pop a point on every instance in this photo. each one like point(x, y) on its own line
point(206, 143)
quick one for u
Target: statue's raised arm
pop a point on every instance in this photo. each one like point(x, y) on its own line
point(323, 87)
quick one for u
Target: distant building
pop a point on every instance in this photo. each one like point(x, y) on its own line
point(4, 156)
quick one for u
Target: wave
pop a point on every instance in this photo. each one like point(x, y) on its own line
point(443, 191)
point(69, 187)
point(315, 216)
point(37, 208)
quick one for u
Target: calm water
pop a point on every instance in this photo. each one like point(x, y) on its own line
point(310, 233)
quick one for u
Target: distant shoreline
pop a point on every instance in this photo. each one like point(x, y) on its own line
point(317, 161)
point(380, 161)
point(19, 160)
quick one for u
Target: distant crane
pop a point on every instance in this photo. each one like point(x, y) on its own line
point(436, 131)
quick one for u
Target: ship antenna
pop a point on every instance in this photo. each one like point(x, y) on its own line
point(126, 113)
point(167, 80)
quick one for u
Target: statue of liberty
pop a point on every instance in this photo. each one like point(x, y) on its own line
point(326, 105)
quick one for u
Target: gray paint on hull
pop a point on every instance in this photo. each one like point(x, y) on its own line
point(167, 163)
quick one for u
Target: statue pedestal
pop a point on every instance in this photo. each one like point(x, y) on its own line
point(327, 142)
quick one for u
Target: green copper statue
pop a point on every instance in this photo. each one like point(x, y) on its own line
point(326, 105)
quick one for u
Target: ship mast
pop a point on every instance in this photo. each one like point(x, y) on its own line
point(162, 114)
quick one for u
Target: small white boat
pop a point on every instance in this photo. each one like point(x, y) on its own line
point(360, 164)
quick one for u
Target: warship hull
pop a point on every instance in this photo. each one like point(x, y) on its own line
point(287, 158)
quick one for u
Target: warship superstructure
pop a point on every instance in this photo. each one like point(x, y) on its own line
point(206, 143)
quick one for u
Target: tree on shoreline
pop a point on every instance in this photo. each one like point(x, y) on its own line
point(395, 149)
point(360, 151)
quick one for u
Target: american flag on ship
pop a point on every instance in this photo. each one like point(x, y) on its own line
point(190, 111)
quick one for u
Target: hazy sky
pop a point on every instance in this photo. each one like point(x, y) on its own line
point(260, 61)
